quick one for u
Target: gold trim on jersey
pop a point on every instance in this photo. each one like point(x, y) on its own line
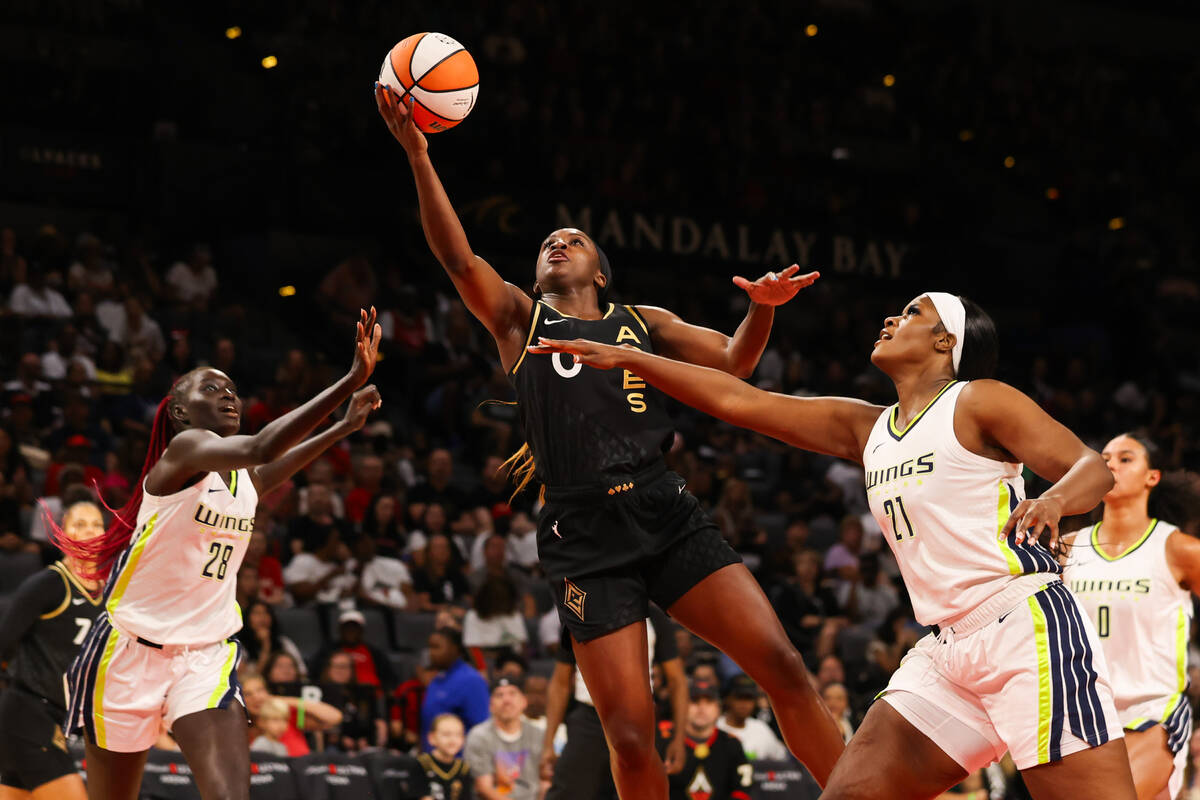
point(1134, 546)
point(66, 597)
point(233, 482)
point(639, 319)
point(537, 311)
point(428, 762)
point(898, 434)
point(74, 579)
point(130, 567)
point(572, 316)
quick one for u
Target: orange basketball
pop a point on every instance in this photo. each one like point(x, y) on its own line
point(437, 74)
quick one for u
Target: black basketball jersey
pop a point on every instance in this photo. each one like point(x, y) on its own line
point(51, 641)
point(715, 769)
point(589, 427)
point(451, 781)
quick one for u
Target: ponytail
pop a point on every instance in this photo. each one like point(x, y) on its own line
point(96, 556)
point(521, 467)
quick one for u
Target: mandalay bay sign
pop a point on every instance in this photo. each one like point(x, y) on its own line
point(743, 243)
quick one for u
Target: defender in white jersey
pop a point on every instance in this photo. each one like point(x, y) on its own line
point(1013, 665)
point(160, 651)
point(1134, 575)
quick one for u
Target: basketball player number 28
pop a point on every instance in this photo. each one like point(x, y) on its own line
point(894, 508)
point(219, 552)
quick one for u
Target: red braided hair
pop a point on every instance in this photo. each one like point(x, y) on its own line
point(95, 557)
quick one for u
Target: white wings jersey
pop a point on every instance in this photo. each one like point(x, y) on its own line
point(176, 582)
point(1143, 617)
point(941, 508)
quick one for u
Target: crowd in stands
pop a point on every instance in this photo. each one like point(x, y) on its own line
point(397, 577)
point(390, 585)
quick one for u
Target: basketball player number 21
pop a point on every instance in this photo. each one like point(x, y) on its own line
point(219, 552)
point(894, 508)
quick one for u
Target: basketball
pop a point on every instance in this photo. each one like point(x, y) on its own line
point(439, 76)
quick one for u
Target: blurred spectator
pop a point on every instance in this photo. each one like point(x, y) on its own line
point(495, 620)
point(28, 387)
point(371, 667)
point(260, 639)
point(303, 715)
point(437, 487)
point(808, 610)
point(758, 740)
point(456, 688)
point(62, 353)
point(842, 558)
point(363, 725)
point(271, 589)
point(384, 582)
point(272, 723)
point(495, 558)
point(830, 671)
point(137, 332)
point(522, 541)
point(320, 473)
point(324, 576)
point(438, 584)
point(35, 300)
point(404, 715)
point(90, 272)
point(871, 596)
point(503, 751)
point(715, 765)
point(449, 776)
point(383, 525)
point(348, 287)
point(310, 531)
point(368, 477)
point(837, 700)
point(192, 282)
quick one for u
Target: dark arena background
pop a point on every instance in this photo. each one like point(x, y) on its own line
point(211, 183)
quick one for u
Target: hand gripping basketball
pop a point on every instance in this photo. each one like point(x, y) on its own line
point(398, 116)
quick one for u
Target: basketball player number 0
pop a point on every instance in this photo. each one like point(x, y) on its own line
point(1102, 622)
point(218, 551)
point(894, 508)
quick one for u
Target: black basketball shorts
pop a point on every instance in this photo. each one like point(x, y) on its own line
point(609, 553)
point(33, 750)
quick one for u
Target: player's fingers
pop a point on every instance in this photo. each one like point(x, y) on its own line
point(806, 279)
point(789, 271)
point(741, 282)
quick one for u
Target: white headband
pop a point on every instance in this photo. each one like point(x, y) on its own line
point(954, 318)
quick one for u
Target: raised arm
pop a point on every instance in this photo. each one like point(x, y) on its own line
point(195, 450)
point(995, 420)
point(837, 426)
point(502, 308)
point(738, 354)
point(268, 476)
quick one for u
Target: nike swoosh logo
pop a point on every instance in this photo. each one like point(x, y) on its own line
point(876, 447)
point(1004, 617)
point(77, 601)
point(214, 490)
point(554, 321)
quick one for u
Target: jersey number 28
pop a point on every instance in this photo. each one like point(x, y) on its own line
point(219, 561)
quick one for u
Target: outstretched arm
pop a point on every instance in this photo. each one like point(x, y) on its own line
point(268, 476)
point(738, 354)
point(837, 426)
point(195, 450)
point(1003, 423)
point(501, 307)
